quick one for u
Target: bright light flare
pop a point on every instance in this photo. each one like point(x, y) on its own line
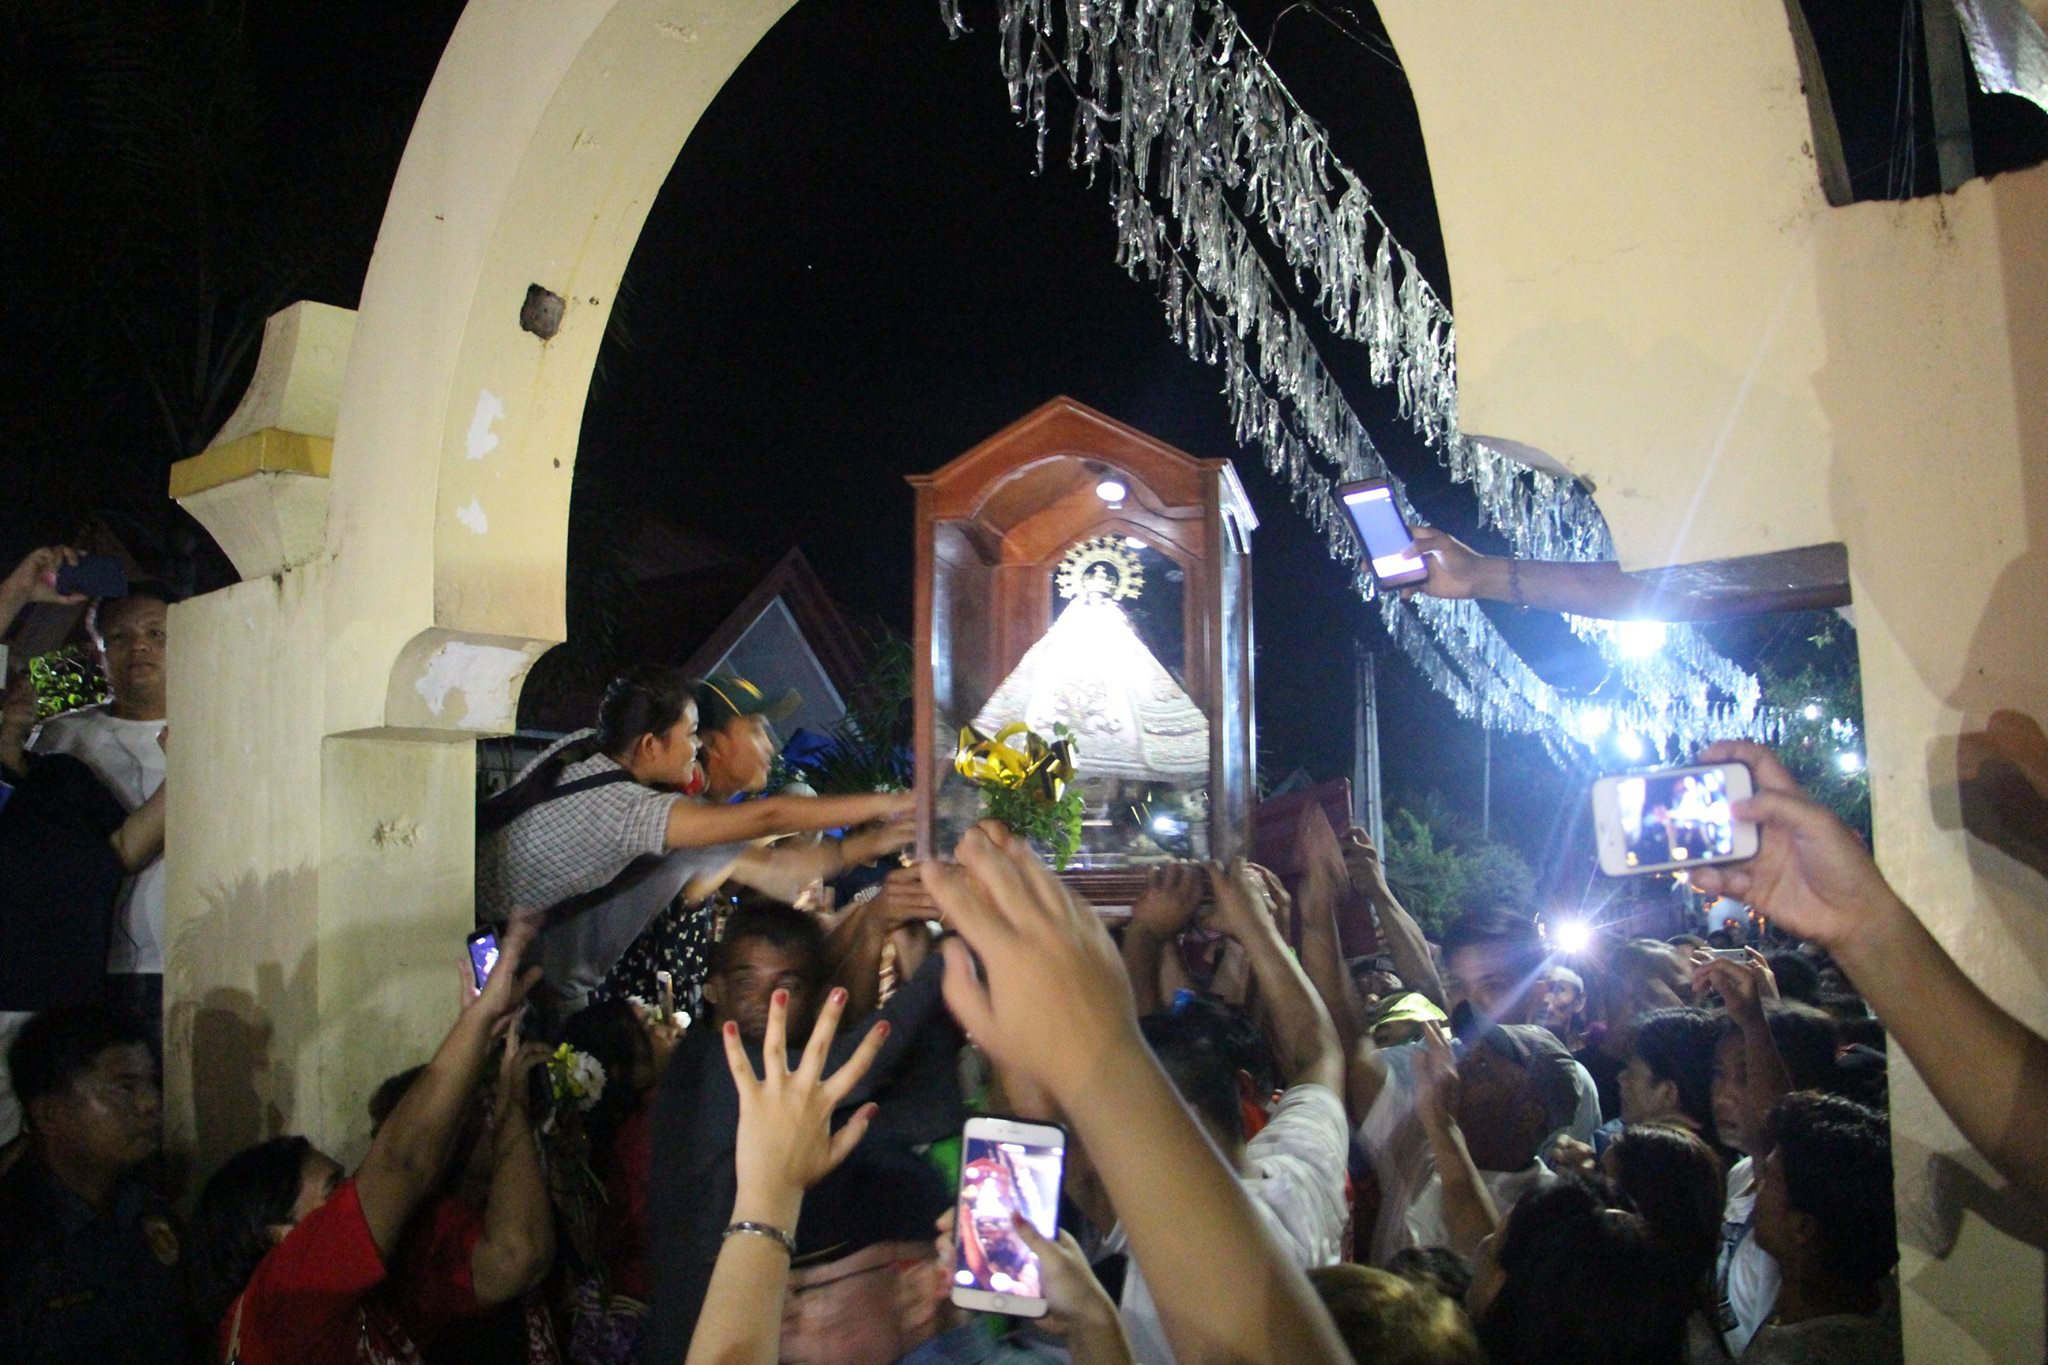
point(1111, 490)
point(1572, 936)
point(1631, 745)
point(1850, 762)
point(1640, 639)
point(1811, 710)
point(1594, 722)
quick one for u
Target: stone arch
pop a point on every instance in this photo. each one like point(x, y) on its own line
point(540, 147)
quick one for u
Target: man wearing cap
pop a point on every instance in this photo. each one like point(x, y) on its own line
point(736, 748)
point(1400, 1018)
point(604, 830)
point(735, 729)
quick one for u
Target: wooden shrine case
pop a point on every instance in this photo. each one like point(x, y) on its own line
point(1072, 568)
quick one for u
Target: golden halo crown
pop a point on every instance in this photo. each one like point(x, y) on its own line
point(1104, 567)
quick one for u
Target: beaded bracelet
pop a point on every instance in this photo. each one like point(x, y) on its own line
point(768, 1230)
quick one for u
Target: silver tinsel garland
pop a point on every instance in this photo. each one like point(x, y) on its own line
point(1176, 102)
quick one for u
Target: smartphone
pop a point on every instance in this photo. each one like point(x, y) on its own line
point(93, 575)
point(483, 955)
point(1395, 562)
point(1672, 818)
point(1006, 1166)
point(1727, 954)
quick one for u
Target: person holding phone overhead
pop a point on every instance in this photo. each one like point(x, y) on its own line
point(603, 830)
point(122, 741)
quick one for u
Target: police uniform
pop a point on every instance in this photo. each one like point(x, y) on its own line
point(79, 1283)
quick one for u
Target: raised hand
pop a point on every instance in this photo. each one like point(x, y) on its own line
point(1364, 867)
point(1078, 1309)
point(786, 1143)
point(1811, 874)
point(515, 1061)
point(1167, 905)
point(1744, 986)
point(1436, 1080)
point(1249, 900)
point(1322, 858)
point(1569, 1154)
point(875, 842)
point(903, 899)
point(1049, 1000)
point(1454, 567)
point(504, 994)
point(35, 578)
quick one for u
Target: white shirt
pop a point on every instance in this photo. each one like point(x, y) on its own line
point(1426, 1225)
point(1401, 1158)
point(1746, 1276)
point(1298, 1163)
point(129, 762)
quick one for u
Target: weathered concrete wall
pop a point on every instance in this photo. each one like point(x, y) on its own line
point(242, 856)
point(321, 823)
point(1651, 291)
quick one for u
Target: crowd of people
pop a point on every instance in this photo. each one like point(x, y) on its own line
point(707, 1106)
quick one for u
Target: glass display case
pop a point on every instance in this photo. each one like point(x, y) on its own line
point(1072, 571)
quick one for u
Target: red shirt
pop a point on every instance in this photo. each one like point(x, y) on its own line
point(432, 1283)
point(622, 1231)
point(309, 1302)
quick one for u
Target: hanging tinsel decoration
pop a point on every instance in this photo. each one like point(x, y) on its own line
point(1176, 103)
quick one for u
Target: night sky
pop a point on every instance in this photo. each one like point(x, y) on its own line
point(851, 275)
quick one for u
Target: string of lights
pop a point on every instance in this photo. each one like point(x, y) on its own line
point(1197, 119)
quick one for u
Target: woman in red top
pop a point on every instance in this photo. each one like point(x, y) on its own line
point(288, 1251)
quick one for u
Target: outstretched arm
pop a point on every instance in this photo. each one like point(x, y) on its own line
point(410, 1152)
point(694, 824)
point(1323, 883)
point(784, 871)
point(785, 1145)
point(1036, 981)
point(518, 1244)
point(1470, 1215)
point(1595, 588)
point(1248, 900)
point(1987, 1070)
point(35, 580)
point(1744, 987)
point(1161, 915)
point(1400, 935)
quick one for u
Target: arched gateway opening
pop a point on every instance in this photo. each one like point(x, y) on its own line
point(1651, 289)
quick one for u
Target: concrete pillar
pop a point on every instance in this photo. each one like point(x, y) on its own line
point(325, 710)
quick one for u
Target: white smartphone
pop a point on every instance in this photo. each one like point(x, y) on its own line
point(1388, 545)
point(1672, 818)
point(1006, 1166)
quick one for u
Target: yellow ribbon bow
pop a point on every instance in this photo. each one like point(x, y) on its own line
point(1043, 767)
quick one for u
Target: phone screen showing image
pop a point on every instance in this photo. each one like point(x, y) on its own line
point(483, 955)
point(999, 1177)
point(1387, 542)
point(1676, 817)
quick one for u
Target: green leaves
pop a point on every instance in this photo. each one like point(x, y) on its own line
point(1440, 865)
point(64, 680)
point(1053, 826)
